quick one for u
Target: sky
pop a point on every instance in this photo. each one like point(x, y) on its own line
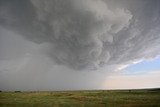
point(79, 44)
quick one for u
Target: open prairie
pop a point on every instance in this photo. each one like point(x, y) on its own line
point(94, 98)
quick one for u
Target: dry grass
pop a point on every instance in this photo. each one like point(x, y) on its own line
point(135, 98)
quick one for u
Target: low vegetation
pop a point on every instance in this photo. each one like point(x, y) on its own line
point(121, 98)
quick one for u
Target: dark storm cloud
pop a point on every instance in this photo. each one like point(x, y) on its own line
point(87, 33)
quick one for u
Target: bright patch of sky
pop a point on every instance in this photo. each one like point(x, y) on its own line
point(144, 67)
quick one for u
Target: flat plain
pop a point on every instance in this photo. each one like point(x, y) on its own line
point(87, 98)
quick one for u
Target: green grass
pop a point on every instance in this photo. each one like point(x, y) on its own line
point(123, 98)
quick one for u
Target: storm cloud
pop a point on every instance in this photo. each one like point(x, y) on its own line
point(80, 35)
point(80, 31)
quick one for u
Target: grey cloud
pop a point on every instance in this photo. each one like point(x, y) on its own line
point(87, 33)
point(78, 30)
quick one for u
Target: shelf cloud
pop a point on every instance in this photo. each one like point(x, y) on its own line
point(80, 32)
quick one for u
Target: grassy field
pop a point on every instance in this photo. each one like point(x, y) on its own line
point(123, 98)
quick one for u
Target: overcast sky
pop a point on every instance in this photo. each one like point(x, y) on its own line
point(79, 44)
